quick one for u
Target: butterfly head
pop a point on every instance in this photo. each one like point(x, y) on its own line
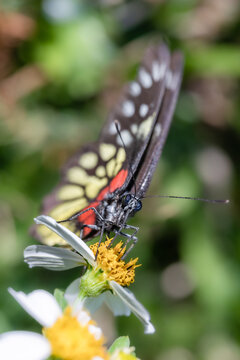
point(131, 203)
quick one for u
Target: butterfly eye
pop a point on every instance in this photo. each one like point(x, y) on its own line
point(138, 206)
point(126, 199)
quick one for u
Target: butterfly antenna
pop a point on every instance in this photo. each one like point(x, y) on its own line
point(116, 123)
point(190, 198)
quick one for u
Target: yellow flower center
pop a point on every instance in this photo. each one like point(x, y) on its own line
point(109, 260)
point(70, 340)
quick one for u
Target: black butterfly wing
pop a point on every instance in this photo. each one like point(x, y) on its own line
point(154, 149)
point(137, 109)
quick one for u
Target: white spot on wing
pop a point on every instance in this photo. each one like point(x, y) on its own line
point(158, 70)
point(157, 130)
point(143, 110)
point(127, 138)
point(145, 78)
point(112, 128)
point(128, 108)
point(134, 128)
point(171, 80)
point(135, 89)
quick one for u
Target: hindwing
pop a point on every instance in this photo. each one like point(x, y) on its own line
point(95, 170)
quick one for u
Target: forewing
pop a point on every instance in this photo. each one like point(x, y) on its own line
point(138, 107)
point(153, 152)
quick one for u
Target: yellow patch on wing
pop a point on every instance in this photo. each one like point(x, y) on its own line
point(120, 158)
point(88, 160)
point(145, 126)
point(66, 209)
point(107, 151)
point(117, 168)
point(68, 192)
point(114, 165)
point(94, 186)
point(111, 167)
point(121, 155)
point(101, 171)
point(77, 175)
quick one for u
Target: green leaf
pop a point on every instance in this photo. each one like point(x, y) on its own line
point(119, 343)
point(59, 296)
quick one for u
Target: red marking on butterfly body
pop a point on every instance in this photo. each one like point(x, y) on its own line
point(89, 217)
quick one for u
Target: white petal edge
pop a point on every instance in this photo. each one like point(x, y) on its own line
point(52, 258)
point(40, 304)
point(135, 306)
point(71, 238)
point(24, 345)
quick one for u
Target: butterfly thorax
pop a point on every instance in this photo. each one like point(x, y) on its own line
point(116, 209)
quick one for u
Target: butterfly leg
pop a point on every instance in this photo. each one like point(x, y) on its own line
point(73, 217)
point(97, 228)
point(130, 237)
point(100, 240)
point(90, 226)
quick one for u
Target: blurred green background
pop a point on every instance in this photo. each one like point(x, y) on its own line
point(62, 65)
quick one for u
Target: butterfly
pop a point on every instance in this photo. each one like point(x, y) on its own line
point(102, 185)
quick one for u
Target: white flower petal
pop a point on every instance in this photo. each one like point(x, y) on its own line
point(52, 258)
point(93, 303)
point(24, 345)
point(40, 304)
point(71, 238)
point(72, 291)
point(129, 299)
point(116, 305)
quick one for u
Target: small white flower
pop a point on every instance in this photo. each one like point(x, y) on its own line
point(119, 299)
point(43, 307)
point(24, 345)
point(40, 304)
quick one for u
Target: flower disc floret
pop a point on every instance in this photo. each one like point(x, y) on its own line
point(109, 259)
point(70, 340)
